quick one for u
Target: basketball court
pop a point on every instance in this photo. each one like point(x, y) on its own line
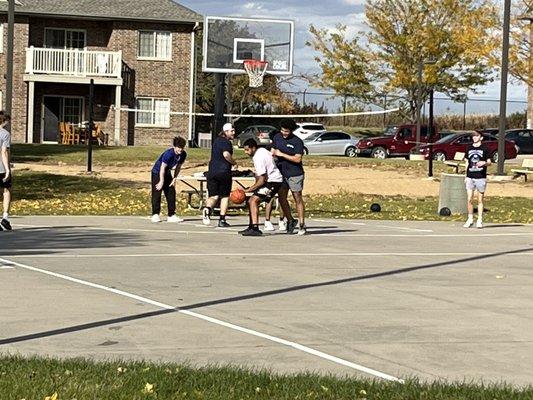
point(376, 299)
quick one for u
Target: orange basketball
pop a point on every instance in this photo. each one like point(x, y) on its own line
point(237, 196)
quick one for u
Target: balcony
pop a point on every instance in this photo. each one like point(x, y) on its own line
point(73, 66)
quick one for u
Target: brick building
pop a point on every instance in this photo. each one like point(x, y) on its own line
point(140, 54)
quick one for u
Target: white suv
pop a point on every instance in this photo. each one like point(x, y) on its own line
point(307, 128)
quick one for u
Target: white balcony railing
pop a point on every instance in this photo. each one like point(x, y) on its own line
point(73, 62)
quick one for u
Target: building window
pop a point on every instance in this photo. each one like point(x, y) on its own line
point(1, 100)
point(153, 112)
point(55, 38)
point(156, 45)
point(1, 38)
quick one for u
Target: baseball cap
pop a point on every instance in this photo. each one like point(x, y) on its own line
point(227, 127)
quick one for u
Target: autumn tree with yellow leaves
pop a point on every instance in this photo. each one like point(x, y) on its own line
point(456, 35)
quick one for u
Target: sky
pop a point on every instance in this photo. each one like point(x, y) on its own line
point(327, 14)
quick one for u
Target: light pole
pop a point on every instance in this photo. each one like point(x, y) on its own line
point(419, 105)
point(503, 88)
point(9, 61)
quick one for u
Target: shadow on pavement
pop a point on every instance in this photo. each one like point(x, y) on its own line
point(268, 293)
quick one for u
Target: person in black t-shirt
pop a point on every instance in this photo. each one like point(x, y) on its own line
point(289, 150)
point(476, 162)
point(219, 176)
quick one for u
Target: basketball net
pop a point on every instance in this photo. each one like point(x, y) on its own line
point(256, 70)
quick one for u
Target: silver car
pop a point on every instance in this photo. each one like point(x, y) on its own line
point(335, 143)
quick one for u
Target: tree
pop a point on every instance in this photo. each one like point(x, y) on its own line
point(402, 37)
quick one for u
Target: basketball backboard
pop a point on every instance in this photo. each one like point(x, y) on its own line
point(228, 41)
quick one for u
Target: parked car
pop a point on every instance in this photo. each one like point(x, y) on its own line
point(523, 138)
point(490, 131)
point(397, 145)
point(445, 148)
point(307, 128)
point(261, 134)
point(335, 143)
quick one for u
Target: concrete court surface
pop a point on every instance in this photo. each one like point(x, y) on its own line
point(377, 299)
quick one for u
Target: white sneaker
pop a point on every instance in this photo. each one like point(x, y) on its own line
point(269, 226)
point(282, 226)
point(205, 216)
point(302, 230)
point(479, 224)
point(155, 218)
point(175, 218)
point(469, 222)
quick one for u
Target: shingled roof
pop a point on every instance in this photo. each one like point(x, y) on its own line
point(145, 10)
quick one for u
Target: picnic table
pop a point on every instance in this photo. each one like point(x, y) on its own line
point(197, 186)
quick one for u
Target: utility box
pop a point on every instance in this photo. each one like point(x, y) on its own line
point(452, 193)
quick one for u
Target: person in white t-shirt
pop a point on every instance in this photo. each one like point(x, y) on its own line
point(268, 180)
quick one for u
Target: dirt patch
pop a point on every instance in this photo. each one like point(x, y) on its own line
point(319, 180)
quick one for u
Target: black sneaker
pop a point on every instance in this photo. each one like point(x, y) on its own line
point(252, 232)
point(291, 226)
point(6, 226)
point(246, 230)
point(223, 224)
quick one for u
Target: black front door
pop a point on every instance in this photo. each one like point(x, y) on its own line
point(51, 118)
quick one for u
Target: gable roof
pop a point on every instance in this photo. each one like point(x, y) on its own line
point(144, 10)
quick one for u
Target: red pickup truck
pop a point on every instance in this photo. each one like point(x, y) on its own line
point(397, 145)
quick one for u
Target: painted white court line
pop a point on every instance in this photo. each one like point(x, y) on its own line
point(5, 267)
point(216, 321)
point(254, 255)
point(474, 232)
point(96, 228)
point(403, 228)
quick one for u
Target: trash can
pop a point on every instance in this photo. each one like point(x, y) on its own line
point(452, 193)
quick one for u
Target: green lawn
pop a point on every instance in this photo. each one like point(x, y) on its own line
point(48, 194)
point(39, 379)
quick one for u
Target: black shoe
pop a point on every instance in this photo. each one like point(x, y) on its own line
point(252, 232)
point(223, 224)
point(5, 225)
point(291, 226)
point(246, 230)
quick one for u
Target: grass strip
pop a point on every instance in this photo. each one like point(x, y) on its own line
point(49, 194)
point(39, 379)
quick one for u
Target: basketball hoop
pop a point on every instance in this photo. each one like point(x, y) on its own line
point(256, 70)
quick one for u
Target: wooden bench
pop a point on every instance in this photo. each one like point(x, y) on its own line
point(527, 168)
point(458, 160)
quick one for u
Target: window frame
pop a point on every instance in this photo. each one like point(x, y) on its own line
point(152, 111)
point(155, 57)
point(65, 30)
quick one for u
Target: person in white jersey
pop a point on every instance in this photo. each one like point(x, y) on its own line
point(268, 180)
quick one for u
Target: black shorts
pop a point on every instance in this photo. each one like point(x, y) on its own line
point(5, 185)
point(219, 184)
point(268, 191)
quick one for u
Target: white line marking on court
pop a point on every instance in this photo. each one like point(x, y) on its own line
point(403, 228)
point(253, 255)
point(6, 267)
point(96, 228)
point(216, 321)
point(474, 233)
point(377, 225)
